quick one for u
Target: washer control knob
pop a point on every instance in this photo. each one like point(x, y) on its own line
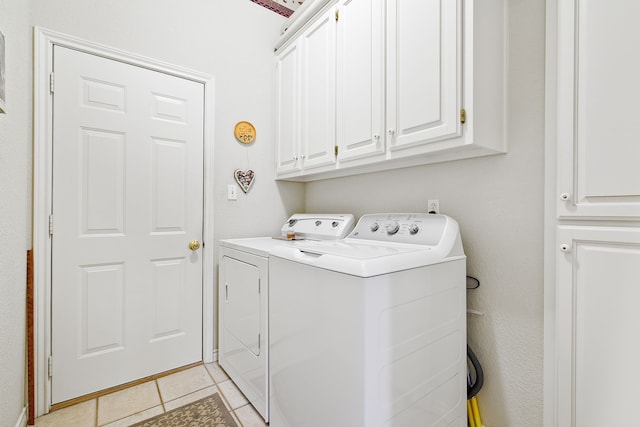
point(334, 224)
point(374, 227)
point(393, 228)
point(292, 222)
point(413, 229)
point(318, 222)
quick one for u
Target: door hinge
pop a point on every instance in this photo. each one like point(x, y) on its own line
point(463, 116)
point(52, 81)
point(50, 366)
point(335, 150)
point(337, 14)
point(258, 341)
point(259, 286)
point(50, 225)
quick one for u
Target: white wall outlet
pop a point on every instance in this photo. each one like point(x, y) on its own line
point(232, 192)
point(433, 206)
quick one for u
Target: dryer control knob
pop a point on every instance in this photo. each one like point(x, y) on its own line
point(393, 228)
point(413, 229)
point(374, 227)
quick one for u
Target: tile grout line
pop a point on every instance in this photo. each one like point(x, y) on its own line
point(164, 409)
point(233, 411)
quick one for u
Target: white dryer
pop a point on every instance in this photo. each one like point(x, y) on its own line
point(370, 331)
point(243, 299)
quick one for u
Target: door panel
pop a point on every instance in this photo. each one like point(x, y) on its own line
point(360, 114)
point(318, 132)
point(288, 110)
point(242, 302)
point(597, 300)
point(422, 71)
point(127, 199)
point(598, 174)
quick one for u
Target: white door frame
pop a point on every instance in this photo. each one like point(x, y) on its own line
point(44, 40)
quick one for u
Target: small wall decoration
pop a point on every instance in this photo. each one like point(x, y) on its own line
point(244, 178)
point(245, 132)
point(3, 98)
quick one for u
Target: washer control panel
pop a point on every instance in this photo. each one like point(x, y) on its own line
point(318, 226)
point(418, 228)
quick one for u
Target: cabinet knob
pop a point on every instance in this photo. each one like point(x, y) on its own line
point(391, 131)
point(376, 136)
point(565, 196)
point(564, 247)
point(295, 158)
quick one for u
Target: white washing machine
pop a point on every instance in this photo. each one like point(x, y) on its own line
point(369, 331)
point(243, 299)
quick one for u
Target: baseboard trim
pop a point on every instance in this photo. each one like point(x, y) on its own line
point(22, 420)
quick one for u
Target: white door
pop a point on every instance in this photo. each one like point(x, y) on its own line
point(360, 107)
point(318, 110)
point(423, 71)
point(288, 110)
point(598, 85)
point(127, 199)
point(597, 325)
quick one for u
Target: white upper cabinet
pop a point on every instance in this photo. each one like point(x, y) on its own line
point(360, 106)
point(423, 72)
point(598, 129)
point(402, 87)
point(318, 109)
point(288, 110)
point(306, 100)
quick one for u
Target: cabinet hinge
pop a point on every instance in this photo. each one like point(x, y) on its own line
point(258, 341)
point(463, 116)
point(50, 225)
point(335, 150)
point(52, 81)
point(337, 14)
point(50, 366)
point(259, 286)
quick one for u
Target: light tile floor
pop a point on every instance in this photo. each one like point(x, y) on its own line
point(129, 406)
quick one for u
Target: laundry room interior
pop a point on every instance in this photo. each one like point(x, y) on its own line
point(499, 201)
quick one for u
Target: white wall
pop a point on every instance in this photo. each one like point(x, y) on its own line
point(15, 206)
point(498, 202)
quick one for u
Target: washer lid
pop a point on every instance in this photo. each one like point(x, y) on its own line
point(383, 243)
point(360, 258)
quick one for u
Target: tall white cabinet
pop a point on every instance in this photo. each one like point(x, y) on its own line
point(592, 320)
point(408, 82)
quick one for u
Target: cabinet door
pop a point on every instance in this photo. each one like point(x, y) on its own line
point(360, 107)
point(423, 71)
point(288, 109)
point(598, 90)
point(318, 47)
point(598, 323)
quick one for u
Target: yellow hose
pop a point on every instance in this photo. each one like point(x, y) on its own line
point(476, 412)
point(472, 422)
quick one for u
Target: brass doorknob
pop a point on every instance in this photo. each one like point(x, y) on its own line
point(194, 245)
